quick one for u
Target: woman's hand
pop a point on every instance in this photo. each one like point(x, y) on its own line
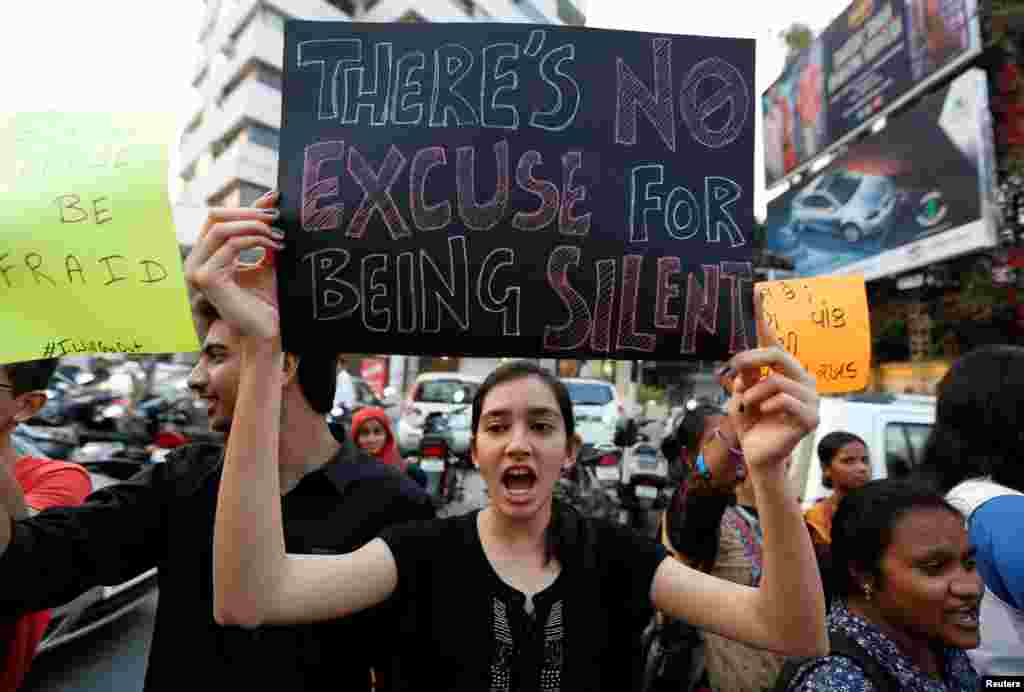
point(244, 295)
point(770, 414)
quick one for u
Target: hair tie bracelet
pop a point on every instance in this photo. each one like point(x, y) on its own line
point(735, 455)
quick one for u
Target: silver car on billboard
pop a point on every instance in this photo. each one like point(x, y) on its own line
point(851, 205)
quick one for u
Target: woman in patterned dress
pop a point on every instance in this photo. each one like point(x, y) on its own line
point(907, 593)
point(713, 525)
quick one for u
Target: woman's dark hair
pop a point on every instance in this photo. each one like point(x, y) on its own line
point(30, 376)
point(830, 446)
point(688, 432)
point(979, 420)
point(694, 520)
point(862, 527)
point(518, 370)
point(554, 541)
point(318, 378)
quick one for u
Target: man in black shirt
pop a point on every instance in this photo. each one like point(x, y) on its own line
point(334, 500)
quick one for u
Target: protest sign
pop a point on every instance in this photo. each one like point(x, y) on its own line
point(88, 257)
point(500, 189)
point(824, 323)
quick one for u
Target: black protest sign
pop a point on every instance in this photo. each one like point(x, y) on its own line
point(502, 189)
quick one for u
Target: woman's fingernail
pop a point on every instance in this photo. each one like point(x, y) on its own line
point(277, 234)
point(270, 213)
point(268, 194)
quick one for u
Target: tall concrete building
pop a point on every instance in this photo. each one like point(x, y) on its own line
point(228, 150)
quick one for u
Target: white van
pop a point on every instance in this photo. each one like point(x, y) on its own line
point(895, 428)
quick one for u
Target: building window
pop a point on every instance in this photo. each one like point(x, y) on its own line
point(530, 10)
point(218, 148)
point(201, 76)
point(194, 124)
point(250, 192)
point(238, 193)
point(228, 197)
point(274, 18)
point(569, 14)
point(346, 6)
point(264, 73)
point(271, 76)
point(264, 136)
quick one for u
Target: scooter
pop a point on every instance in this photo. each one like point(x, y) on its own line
point(54, 441)
point(436, 460)
point(645, 489)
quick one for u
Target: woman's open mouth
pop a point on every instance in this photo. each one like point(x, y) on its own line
point(518, 481)
point(966, 617)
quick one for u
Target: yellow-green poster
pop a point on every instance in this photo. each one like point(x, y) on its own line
point(89, 261)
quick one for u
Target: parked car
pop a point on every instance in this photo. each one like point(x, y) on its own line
point(435, 392)
point(99, 605)
point(895, 428)
point(599, 411)
point(851, 205)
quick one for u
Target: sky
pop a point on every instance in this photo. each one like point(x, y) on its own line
point(127, 55)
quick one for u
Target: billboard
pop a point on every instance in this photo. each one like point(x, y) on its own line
point(917, 192)
point(874, 56)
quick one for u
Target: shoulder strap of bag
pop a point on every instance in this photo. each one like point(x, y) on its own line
point(794, 669)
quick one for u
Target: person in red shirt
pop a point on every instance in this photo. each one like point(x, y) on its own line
point(29, 485)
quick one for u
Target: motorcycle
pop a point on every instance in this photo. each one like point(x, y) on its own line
point(53, 441)
point(119, 458)
point(436, 460)
point(581, 487)
point(645, 489)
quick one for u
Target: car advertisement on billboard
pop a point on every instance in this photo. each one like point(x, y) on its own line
point(915, 193)
point(874, 55)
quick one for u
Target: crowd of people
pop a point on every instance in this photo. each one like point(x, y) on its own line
point(289, 557)
point(905, 563)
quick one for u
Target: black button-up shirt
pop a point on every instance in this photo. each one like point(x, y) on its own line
point(164, 517)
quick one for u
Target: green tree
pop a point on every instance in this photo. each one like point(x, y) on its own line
point(797, 37)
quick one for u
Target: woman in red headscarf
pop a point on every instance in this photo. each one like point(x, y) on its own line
point(371, 431)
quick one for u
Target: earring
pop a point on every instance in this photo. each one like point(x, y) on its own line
point(867, 591)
